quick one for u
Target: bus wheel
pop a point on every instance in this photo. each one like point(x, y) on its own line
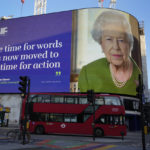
point(39, 130)
point(99, 132)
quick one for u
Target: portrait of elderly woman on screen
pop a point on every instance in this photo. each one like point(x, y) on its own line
point(117, 72)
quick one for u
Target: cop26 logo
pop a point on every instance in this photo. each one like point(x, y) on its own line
point(3, 30)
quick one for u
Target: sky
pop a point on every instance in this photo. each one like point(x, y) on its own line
point(138, 8)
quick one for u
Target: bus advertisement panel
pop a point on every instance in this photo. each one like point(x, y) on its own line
point(88, 49)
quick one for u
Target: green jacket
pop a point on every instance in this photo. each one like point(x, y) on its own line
point(96, 76)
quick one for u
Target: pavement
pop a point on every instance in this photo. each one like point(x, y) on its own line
point(132, 141)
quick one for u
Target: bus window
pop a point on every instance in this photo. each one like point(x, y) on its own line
point(73, 118)
point(111, 119)
point(42, 117)
point(112, 100)
point(86, 116)
point(89, 109)
point(101, 119)
point(76, 100)
point(47, 117)
point(99, 101)
point(58, 118)
point(30, 98)
point(34, 99)
point(122, 120)
point(46, 99)
point(67, 118)
point(83, 100)
point(40, 99)
point(69, 100)
point(57, 99)
point(116, 120)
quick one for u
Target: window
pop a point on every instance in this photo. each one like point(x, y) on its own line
point(47, 101)
point(112, 100)
point(66, 118)
point(40, 99)
point(42, 117)
point(111, 119)
point(89, 110)
point(47, 117)
point(73, 118)
point(34, 99)
point(116, 120)
point(70, 118)
point(135, 105)
point(46, 98)
point(69, 100)
point(99, 101)
point(57, 99)
point(102, 119)
point(86, 116)
point(55, 117)
point(122, 120)
point(58, 117)
point(83, 100)
point(128, 104)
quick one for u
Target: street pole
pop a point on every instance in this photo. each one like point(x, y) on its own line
point(26, 111)
point(140, 94)
point(91, 100)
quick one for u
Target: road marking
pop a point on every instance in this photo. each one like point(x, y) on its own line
point(76, 146)
point(106, 147)
point(43, 142)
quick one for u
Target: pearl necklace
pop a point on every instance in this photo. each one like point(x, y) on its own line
point(116, 82)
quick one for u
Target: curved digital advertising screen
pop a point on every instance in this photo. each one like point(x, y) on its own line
point(72, 51)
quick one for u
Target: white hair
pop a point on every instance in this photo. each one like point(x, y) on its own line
point(111, 17)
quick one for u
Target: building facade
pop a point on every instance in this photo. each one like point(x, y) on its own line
point(144, 64)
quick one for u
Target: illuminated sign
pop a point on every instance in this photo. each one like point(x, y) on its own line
point(38, 47)
point(79, 50)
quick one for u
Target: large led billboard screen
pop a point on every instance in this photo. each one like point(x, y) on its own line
point(88, 49)
point(38, 47)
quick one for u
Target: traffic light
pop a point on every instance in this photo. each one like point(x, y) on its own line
point(90, 96)
point(147, 112)
point(23, 85)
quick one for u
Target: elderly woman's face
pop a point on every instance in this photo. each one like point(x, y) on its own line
point(114, 44)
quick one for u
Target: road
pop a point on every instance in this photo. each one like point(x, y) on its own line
point(133, 141)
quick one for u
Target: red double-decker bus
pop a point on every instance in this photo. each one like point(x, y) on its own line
point(71, 113)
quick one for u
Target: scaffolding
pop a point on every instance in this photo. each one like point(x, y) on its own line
point(112, 4)
point(40, 7)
